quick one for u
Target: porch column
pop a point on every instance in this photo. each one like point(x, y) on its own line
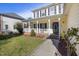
point(49, 27)
point(29, 30)
point(37, 27)
point(59, 27)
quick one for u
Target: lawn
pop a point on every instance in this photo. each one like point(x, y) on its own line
point(20, 45)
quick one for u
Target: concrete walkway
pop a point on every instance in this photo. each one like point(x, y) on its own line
point(46, 49)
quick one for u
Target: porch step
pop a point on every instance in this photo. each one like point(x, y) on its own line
point(53, 37)
point(57, 37)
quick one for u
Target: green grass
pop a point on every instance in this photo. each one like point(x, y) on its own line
point(20, 45)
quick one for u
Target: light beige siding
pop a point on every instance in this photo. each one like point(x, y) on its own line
point(73, 19)
point(73, 16)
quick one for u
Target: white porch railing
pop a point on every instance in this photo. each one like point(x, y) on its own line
point(26, 30)
point(46, 31)
point(43, 30)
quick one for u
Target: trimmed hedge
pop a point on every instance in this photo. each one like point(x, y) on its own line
point(4, 37)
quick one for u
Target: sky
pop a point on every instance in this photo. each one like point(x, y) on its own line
point(22, 9)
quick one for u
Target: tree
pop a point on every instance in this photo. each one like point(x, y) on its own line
point(19, 27)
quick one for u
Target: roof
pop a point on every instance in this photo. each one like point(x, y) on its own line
point(29, 19)
point(12, 15)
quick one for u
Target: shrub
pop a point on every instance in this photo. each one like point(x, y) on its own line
point(19, 27)
point(10, 32)
point(33, 33)
point(4, 37)
point(72, 39)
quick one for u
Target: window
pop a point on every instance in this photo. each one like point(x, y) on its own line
point(43, 12)
point(52, 10)
point(35, 26)
point(57, 9)
point(14, 26)
point(6, 27)
point(40, 25)
point(25, 25)
point(61, 7)
point(36, 14)
point(43, 25)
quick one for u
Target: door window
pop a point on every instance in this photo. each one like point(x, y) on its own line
point(56, 27)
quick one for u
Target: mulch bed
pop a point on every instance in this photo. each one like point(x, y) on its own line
point(62, 48)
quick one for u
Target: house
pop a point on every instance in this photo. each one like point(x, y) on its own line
point(46, 19)
point(54, 18)
point(8, 20)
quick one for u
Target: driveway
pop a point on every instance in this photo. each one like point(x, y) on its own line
point(46, 49)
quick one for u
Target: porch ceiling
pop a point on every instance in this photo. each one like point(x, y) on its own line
point(45, 19)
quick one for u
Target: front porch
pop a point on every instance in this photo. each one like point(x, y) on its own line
point(44, 25)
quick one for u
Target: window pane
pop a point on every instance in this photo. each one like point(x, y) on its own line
point(35, 26)
point(52, 10)
point(40, 25)
point(6, 27)
point(57, 9)
point(43, 12)
point(36, 14)
point(62, 8)
point(25, 25)
point(45, 25)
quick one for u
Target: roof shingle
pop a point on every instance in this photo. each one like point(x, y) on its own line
point(12, 15)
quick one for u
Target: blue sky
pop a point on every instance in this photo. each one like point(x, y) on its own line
point(23, 9)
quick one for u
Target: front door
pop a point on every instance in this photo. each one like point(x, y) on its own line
point(55, 27)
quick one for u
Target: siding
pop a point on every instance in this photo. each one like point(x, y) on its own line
point(63, 24)
point(73, 17)
point(10, 22)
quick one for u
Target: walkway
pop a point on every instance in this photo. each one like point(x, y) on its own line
point(46, 49)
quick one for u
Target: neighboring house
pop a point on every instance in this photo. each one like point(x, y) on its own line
point(8, 20)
